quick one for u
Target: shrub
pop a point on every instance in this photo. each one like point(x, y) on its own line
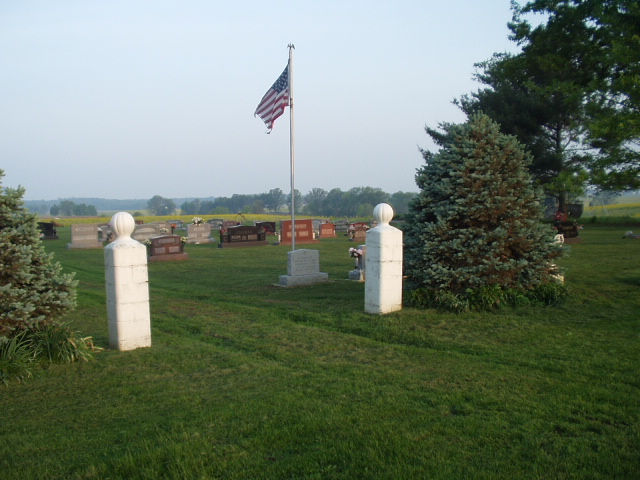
point(16, 357)
point(551, 294)
point(59, 343)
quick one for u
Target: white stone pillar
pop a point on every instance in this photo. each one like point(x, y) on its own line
point(127, 283)
point(383, 264)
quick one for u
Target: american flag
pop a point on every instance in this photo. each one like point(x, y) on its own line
point(277, 97)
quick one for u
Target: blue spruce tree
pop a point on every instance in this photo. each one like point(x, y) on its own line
point(475, 235)
point(33, 290)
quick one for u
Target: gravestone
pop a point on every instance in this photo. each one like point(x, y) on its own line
point(243, 236)
point(145, 232)
point(383, 264)
point(359, 233)
point(48, 230)
point(269, 227)
point(164, 227)
point(303, 268)
point(342, 226)
point(304, 232)
point(104, 232)
point(327, 230)
point(197, 234)
point(229, 223)
point(358, 273)
point(166, 248)
point(177, 223)
point(84, 235)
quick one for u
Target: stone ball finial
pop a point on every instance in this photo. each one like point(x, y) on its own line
point(122, 224)
point(383, 213)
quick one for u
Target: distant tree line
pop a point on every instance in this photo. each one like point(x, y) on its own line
point(67, 208)
point(356, 202)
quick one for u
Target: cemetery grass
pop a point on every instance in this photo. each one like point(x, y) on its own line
point(246, 380)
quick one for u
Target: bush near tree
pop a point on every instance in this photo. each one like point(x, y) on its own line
point(475, 235)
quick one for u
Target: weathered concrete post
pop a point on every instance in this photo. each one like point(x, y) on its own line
point(383, 264)
point(127, 284)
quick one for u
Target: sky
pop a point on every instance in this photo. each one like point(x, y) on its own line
point(127, 99)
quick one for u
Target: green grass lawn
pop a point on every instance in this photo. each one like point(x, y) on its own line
point(246, 380)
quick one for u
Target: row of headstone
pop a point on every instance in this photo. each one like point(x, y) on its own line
point(94, 235)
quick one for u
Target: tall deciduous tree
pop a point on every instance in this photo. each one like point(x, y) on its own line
point(33, 290)
point(274, 199)
point(573, 94)
point(476, 222)
point(158, 205)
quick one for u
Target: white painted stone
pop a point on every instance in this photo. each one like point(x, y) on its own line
point(127, 284)
point(383, 264)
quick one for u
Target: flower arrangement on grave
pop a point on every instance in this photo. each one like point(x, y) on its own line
point(164, 231)
point(183, 240)
point(197, 220)
point(357, 255)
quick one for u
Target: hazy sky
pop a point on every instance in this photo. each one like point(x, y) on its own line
point(135, 98)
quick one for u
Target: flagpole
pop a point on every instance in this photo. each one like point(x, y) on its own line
point(292, 47)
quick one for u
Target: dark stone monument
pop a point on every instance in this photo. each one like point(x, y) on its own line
point(269, 227)
point(48, 230)
point(242, 236)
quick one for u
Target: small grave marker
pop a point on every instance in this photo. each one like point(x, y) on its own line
point(197, 234)
point(84, 235)
point(303, 268)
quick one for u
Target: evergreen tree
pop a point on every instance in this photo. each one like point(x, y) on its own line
point(33, 290)
point(476, 223)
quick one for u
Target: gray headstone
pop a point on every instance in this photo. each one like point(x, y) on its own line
point(303, 268)
point(84, 235)
point(145, 232)
point(199, 233)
